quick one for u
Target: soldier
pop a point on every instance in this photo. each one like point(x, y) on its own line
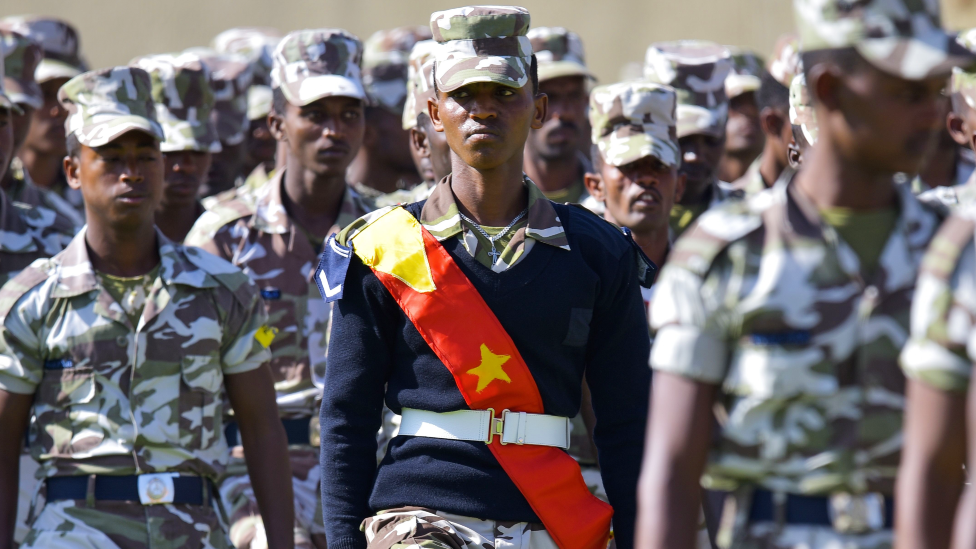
point(384, 164)
point(124, 344)
point(429, 148)
point(697, 70)
point(452, 347)
point(743, 131)
point(184, 101)
point(773, 98)
point(318, 114)
point(772, 308)
point(261, 144)
point(552, 153)
point(44, 148)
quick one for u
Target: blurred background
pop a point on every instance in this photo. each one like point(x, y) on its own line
point(614, 32)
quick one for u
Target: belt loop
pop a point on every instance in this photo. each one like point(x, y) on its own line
point(90, 492)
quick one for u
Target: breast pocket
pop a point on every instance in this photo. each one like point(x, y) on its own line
point(200, 400)
point(64, 394)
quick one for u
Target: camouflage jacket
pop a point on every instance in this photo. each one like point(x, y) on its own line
point(263, 241)
point(109, 396)
point(940, 352)
point(27, 234)
point(752, 181)
point(24, 190)
point(764, 299)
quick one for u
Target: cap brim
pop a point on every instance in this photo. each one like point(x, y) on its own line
point(459, 71)
point(560, 69)
point(620, 151)
point(916, 58)
point(695, 120)
point(97, 135)
point(51, 69)
point(738, 84)
point(313, 88)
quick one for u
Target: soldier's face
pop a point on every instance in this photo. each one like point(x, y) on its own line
point(561, 134)
point(261, 145)
point(700, 158)
point(486, 124)
point(431, 152)
point(225, 167)
point(6, 140)
point(185, 173)
point(46, 133)
point(389, 142)
point(121, 182)
point(638, 195)
point(743, 131)
point(323, 136)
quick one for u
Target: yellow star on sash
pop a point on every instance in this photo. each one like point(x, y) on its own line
point(490, 368)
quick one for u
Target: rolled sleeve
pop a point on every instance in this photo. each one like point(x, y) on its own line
point(245, 350)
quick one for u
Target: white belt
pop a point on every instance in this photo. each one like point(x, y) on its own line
point(482, 425)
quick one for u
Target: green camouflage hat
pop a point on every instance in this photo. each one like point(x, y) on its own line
point(257, 44)
point(481, 44)
point(632, 120)
point(184, 100)
point(317, 63)
point(697, 70)
point(801, 109)
point(901, 37)
point(747, 68)
point(558, 52)
point(230, 79)
point(260, 101)
point(385, 65)
point(785, 62)
point(21, 56)
point(106, 103)
point(964, 81)
point(59, 42)
point(420, 81)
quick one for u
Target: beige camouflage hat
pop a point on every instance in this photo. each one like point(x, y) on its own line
point(107, 103)
point(901, 37)
point(230, 80)
point(317, 63)
point(385, 65)
point(257, 44)
point(481, 44)
point(631, 120)
point(801, 109)
point(697, 70)
point(785, 62)
point(420, 81)
point(59, 42)
point(746, 73)
point(21, 55)
point(183, 100)
point(558, 52)
point(260, 101)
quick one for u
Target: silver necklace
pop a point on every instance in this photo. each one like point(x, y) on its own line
point(494, 254)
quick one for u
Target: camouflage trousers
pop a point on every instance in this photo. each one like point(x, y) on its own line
point(25, 495)
point(413, 527)
point(72, 524)
point(247, 528)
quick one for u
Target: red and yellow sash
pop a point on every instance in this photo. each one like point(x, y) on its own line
point(463, 331)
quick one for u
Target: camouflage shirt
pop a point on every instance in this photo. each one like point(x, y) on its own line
point(27, 234)
point(752, 181)
point(262, 240)
point(764, 299)
point(109, 396)
point(24, 190)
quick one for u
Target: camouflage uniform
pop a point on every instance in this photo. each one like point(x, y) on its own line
point(415, 527)
point(764, 299)
point(256, 234)
point(697, 70)
point(256, 44)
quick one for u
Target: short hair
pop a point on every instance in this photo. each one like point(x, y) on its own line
point(279, 103)
point(846, 59)
point(772, 93)
point(533, 76)
point(72, 145)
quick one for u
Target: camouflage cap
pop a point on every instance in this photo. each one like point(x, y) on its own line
point(963, 84)
point(746, 73)
point(801, 109)
point(257, 44)
point(385, 65)
point(420, 81)
point(697, 70)
point(901, 37)
point(106, 103)
point(230, 80)
point(183, 99)
point(260, 100)
point(559, 52)
point(312, 64)
point(631, 120)
point(785, 62)
point(21, 55)
point(59, 42)
point(481, 44)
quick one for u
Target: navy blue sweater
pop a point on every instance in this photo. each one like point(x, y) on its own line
point(569, 313)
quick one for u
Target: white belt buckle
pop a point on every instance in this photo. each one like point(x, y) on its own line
point(156, 488)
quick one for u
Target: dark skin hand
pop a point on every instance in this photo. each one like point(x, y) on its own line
point(15, 410)
point(486, 125)
point(550, 151)
point(701, 155)
point(931, 478)
point(44, 147)
point(252, 397)
point(321, 139)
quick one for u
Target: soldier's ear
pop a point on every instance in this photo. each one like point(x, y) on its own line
point(957, 129)
point(541, 101)
point(594, 186)
point(435, 115)
point(72, 169)
point(276, 124)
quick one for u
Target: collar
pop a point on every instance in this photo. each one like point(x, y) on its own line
point(440, 215)
point(270, 215)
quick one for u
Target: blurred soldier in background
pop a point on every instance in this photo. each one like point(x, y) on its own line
point(743, 131)
point(429, 148)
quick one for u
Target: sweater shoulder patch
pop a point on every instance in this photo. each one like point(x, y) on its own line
point(330, 276)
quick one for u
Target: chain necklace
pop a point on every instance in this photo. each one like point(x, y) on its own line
point(494, 254)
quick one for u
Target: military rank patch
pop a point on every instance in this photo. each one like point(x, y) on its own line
point(330, 275)
point(58, 364)
point(265, 335)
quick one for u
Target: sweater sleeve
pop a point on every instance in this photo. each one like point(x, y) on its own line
point(619, 380)
point(360, 358)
